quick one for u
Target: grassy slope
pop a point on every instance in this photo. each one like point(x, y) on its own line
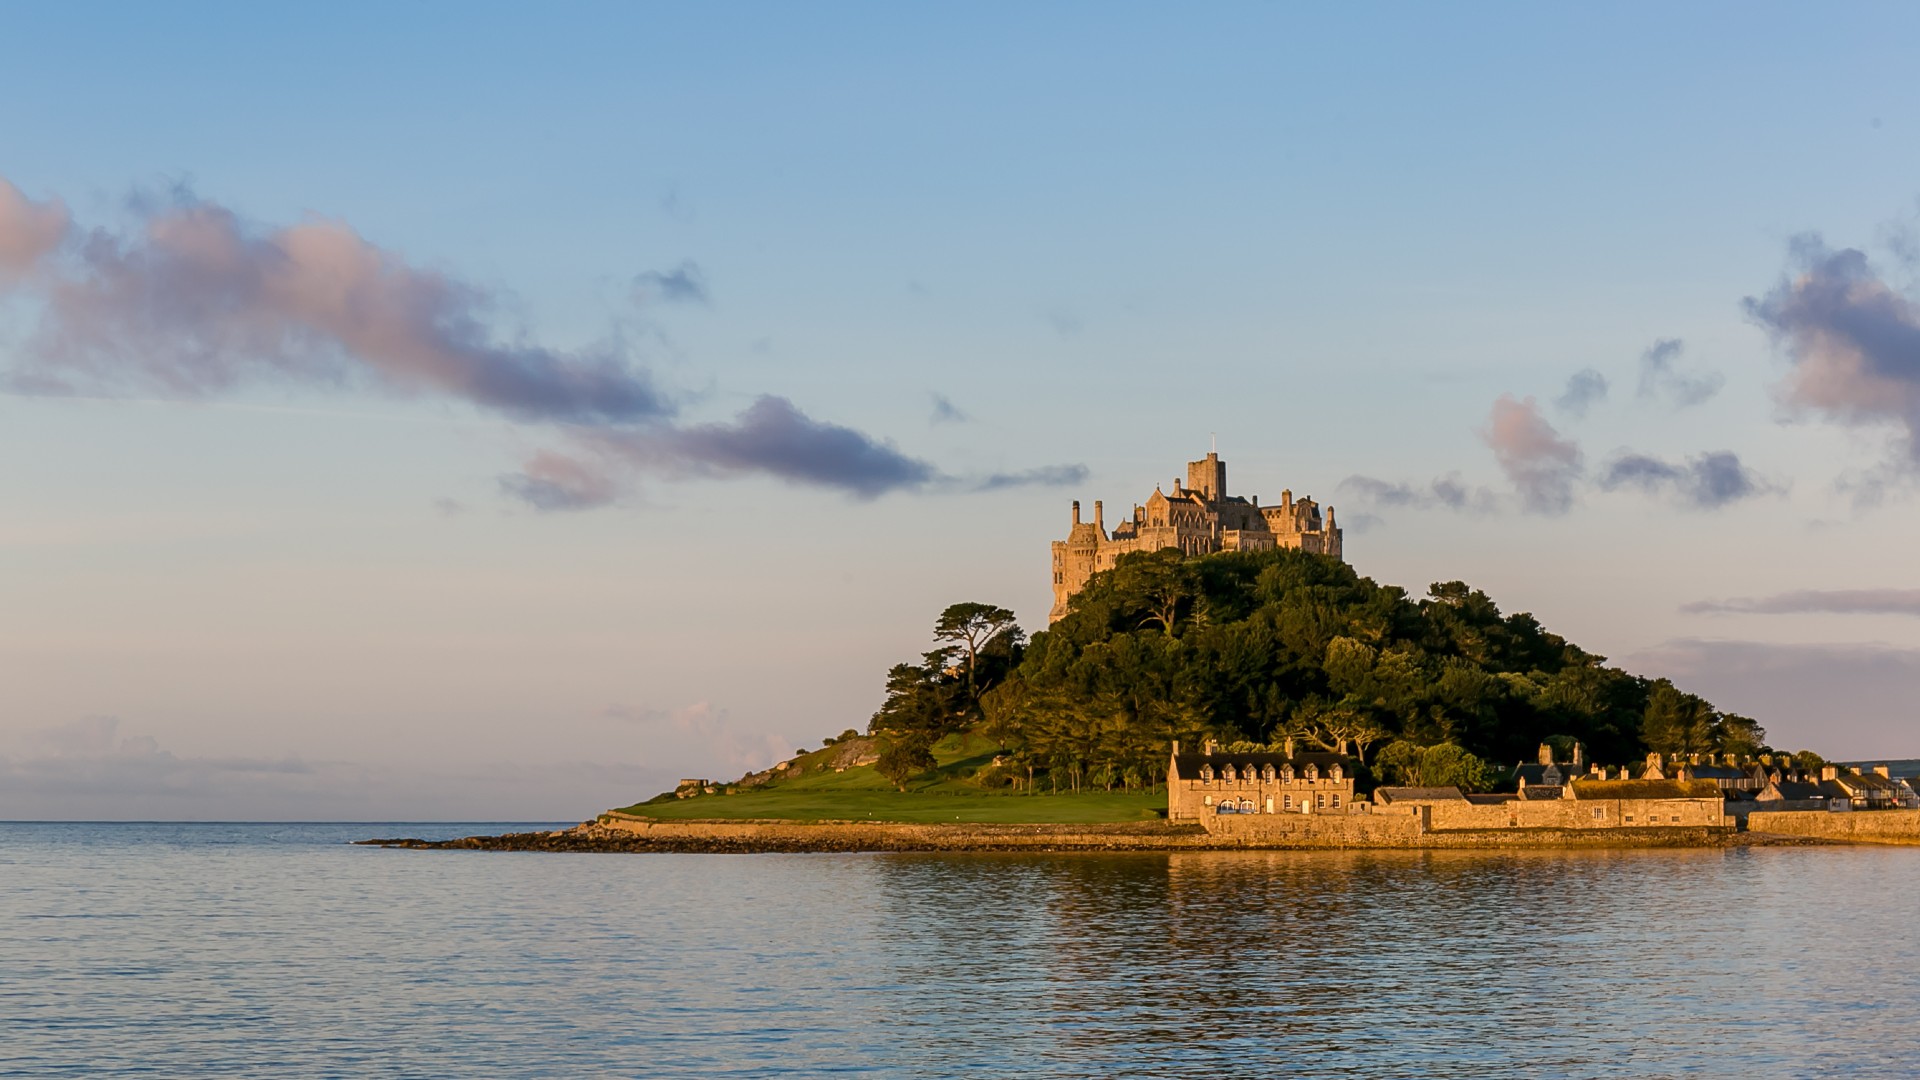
point(861, 794)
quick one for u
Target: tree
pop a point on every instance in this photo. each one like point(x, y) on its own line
point(971, 626)
point(904, 756)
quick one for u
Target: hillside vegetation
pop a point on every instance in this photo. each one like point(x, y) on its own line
point(1277, 649)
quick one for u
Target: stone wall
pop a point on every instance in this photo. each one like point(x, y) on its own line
point(1855, 826)
point(1448, 814)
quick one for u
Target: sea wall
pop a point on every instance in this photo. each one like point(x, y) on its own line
point(895, 836)
point(1857, 826)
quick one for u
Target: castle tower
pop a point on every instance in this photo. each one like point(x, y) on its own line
point(1198, 519)
point(1208, 477)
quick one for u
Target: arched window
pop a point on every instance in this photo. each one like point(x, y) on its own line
point(1246, 807)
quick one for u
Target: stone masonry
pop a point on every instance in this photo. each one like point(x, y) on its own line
point(1199, 518)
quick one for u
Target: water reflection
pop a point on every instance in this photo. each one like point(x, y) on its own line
point(165, 951)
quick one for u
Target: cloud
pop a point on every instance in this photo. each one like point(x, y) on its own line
point(1065, 321)
point(1853, 341)
point(29, 231)
point(551, 482)
point(1585, 389)
point(1446, 492)
point(1815, 601)
point(1660, 378)
point(946, 412)
point(192, 301)
point(196, 302)
point(770, 437)
point(1542, 466)
point(1844, 701)
point(684, 284)
point(1705, 481)
point(1042, 476)
point(774, 438)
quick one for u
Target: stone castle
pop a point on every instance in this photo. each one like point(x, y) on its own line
point(1199, 518)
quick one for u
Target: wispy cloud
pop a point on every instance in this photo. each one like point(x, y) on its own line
point(1815, 601)
point(1542, 466)
point(1705, 481)
point(555, 482)
point(1661, 376)
point(1585, 389)
point(1447, 493)
point(683, 284)
point(1043, 476)
point(946, 412)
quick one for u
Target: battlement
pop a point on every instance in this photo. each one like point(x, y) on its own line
point(1198, 518)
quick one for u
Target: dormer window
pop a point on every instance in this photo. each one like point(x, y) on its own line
point(1336, 772)
point(1206, 773)
point(1226, 773)
point(1267, 774)
point(1313, 771)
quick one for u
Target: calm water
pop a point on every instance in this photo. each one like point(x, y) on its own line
point(275, 950)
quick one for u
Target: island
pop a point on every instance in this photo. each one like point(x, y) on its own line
point(1215, 675)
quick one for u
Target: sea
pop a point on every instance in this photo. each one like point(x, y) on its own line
point(281, 950)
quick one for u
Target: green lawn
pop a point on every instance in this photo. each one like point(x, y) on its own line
point(861, 794)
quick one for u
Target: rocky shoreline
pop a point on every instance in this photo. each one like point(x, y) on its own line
point(624, 834)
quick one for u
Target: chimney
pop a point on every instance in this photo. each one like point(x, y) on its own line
point(1176, 748)
point(1546, 754)
point(1881, 771)
point(1099, 522)
point(1829, 772)
point(1076, 511)
point(1286, 498)
point(1207, 747)
point(1854, 769)
point(1579, 756)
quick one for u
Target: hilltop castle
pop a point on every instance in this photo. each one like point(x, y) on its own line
point(1199, 518)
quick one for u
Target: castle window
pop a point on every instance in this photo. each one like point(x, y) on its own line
point(1313, 771)
point(1267, 774)
point(1320, 800)
point(1335, 772)
point(1226, 773)
point(1336, 800)
point(1206, 774)
point(1286, 802)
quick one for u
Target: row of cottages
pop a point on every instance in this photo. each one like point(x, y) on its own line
point(1838, 790)
point(1214, 782)
point(1732, 773)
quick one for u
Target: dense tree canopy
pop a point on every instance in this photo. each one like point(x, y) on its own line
point(1291, 649)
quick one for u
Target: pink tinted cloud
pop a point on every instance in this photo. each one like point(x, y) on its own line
point(196, 301)
point(1542, 466)
point(29, 231)
point(1853, 340)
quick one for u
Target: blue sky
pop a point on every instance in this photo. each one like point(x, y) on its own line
point(341, 581)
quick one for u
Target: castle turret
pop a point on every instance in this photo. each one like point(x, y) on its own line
point(1099, 521)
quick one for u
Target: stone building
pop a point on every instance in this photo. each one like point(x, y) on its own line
point(1216, 782)
point(1198, 518)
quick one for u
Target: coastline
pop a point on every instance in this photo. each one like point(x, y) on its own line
point(624, 833)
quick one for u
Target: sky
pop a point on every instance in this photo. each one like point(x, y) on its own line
point(478, 412)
